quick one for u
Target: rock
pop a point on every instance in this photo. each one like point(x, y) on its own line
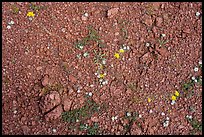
point(147, 20)
point(146, 58)
point(156, 5)
point(84, 18)
point(112, 12)
point(159, 21)
point(163, 51)
point(72, 78)
point(56, 113)
point(135, 130)
point(52, 99)
point(26, 130)
point(67, 104)
point(45, 80)
point(94, 119)
point(38, 68)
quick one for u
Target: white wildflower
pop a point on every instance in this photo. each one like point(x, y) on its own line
point(173, 102)
point(140, 116)
point(150, 111)
point(197, 14)
point(162, 113)
point(54, 130)
point(128, 114)
point(90, 94)
point(200, 62)
point(147, 44)
point(196, 69)
point(167, 118)
point(8, 27)
point(86, 14)
point(193, 78)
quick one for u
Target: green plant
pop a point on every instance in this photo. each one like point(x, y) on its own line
point(35, 7)
point(197, 126)
point(91, 130)
point(82, 113)
point(99, 57)
point(15, 9)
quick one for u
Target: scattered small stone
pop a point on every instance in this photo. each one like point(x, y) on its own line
point(45, 80)
point(8, 27)
point(128, 48)
point(91, 85)
point(112, 12)
point(117, 33)
point(196, 69)
point(159, 21)
point(197, 14)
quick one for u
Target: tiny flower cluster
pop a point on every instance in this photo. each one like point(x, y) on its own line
point(166, 122)
point(121, 51)
point(174, 97)
point(30, 15)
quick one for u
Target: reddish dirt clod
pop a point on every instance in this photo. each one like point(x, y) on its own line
point(44, 74)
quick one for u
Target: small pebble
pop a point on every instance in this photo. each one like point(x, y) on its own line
point(91, 85)
point(196, 69)
point(128, 47)
point(197, 14)
point(8, 27)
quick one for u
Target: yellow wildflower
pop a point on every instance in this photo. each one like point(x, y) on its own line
point(30, 14)
point(173, 97)
point(149, 99)
point(176, 93)
point(117, 55)
point(101, 75)
point(121, 50)
point(101, 66)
